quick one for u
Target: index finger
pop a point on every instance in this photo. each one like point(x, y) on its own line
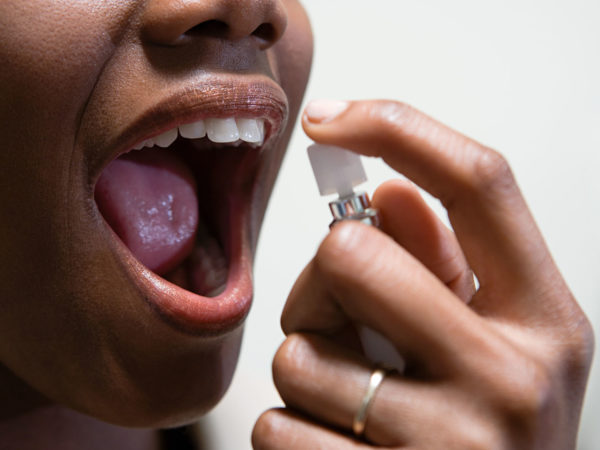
point(475, 184)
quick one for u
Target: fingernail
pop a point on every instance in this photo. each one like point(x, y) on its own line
point(322, 111)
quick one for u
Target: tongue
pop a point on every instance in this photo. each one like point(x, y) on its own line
point(149, 199)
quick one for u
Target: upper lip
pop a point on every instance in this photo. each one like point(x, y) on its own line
point(245, 96)
point(228, 96)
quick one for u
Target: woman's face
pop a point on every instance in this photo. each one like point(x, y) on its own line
point(126, 274)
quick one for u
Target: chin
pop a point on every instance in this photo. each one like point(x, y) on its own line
point(176, 391)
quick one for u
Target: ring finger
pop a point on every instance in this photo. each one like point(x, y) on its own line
point(328, 382)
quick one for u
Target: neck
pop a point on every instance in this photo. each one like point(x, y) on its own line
point(55, 426)
point(28, 421)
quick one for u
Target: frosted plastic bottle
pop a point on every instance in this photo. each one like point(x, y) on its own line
point(339, 171)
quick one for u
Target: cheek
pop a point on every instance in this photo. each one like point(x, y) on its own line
point(294, 54)
point(52, 53)
point(56, 50)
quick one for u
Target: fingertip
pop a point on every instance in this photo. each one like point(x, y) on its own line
point(267, 429)
point(344, 239)
point(321, 111)
point(324, 121)
point(362, 126)
point(402, 208)
point(391, 190)
point(354, 253)
point(286, 360)
point(318, 115)
point(343, 251)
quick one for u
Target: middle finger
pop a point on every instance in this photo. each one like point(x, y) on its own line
point(413, 225)
point(361, 276)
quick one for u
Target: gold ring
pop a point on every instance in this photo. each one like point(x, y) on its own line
point(360, 419)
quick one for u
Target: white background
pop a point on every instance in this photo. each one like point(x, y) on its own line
point(522, 76)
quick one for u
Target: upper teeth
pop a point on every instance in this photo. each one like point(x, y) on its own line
point(227, 130)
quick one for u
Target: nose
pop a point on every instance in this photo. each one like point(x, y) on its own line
point(172, 22)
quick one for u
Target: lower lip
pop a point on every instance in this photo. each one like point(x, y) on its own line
point(195, 314)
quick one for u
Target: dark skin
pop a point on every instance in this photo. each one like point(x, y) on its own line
point(76, 329)
point(84, 352)
point(501, 367)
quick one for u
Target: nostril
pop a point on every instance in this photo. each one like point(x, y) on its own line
point(174, 22)
point(210, 28)
point(265, 32)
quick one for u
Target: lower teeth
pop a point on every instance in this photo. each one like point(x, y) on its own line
point(205, 271)
point(208, 269)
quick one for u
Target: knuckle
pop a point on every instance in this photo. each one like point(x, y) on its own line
point(583, 336)
point(491, 173)
point(390, 119)
point(390, 112)
point(479, 440)
point(266, 430)
point(569, 328)
point(585, 341)
point(578, 346)
point(536, 396)
point(475, 431)
point(450, 265)
point(527, 394)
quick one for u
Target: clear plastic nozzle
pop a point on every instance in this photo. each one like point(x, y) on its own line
point(336, 170)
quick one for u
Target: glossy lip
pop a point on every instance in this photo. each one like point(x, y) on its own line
point(210, 98)
point(182, 309)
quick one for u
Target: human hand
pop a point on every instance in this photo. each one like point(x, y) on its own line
point(503, 367)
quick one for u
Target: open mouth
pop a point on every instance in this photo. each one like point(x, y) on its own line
point(168, 198)
point(181, 203)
